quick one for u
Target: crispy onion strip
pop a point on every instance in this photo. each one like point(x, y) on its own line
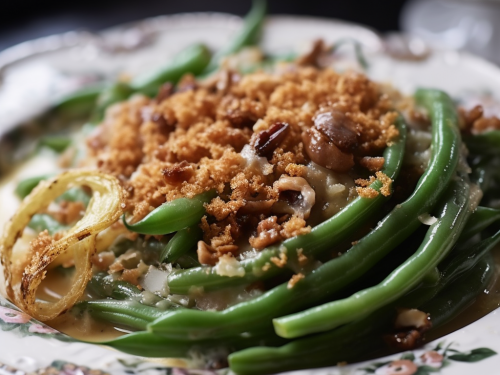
point(103, 210)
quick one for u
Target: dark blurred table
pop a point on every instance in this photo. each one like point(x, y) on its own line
point(22, 20)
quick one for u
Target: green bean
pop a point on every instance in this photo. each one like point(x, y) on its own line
point(326, 349)
point(41, 222)
point(187, 261)
point(183, 241)
point(56, 143)
point(102, 285)
point(128, 313)
point(124, 319)
point(193, 59)
point(480, 219)
point(247, 36)
point(468, 258)
point(440, 238)
point(357, 339)
point(80, 102)
point(485, 171)
point(484, 143)
point(112, 94)
point(337, 273)
point(172, 216)
point(25, 186)
point(147, 344)
point(456, 297)
point(321, 238)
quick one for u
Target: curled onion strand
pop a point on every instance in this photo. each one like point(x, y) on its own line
point(103, 210)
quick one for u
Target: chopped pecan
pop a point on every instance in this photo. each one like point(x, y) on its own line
point(268, 140)
point(178, 173)
point(268, 232)
point(206, 254)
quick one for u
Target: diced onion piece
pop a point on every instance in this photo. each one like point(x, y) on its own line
point(103, 210)
point(229, 266)
point(427, 219)
point(411, 318)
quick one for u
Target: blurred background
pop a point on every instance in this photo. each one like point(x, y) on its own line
point(472, 25)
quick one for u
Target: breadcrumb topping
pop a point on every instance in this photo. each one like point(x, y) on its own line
point(239, 135)
point(294, 280)
point(364, 190)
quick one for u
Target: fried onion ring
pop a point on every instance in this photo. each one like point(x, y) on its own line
point(103, 210)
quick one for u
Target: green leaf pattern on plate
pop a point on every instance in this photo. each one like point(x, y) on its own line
point(428, 363)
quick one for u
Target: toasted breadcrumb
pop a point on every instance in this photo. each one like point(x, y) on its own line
point(296, 226)
point(183, 143)
point(266, 267)
point(301, 257)
point(386, 181)
point(281, 261)
point(373, 164)
point(294, 280)
point(365, 191)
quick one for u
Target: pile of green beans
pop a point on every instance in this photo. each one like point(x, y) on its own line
point(338, 311)
point(289, 328)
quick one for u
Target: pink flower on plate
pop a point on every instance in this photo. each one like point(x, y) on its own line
point(13, 316)
point(432, 359)
point(38, 328)
point(400, 367)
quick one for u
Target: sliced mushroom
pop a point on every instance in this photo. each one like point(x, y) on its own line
point(299, 205)
point(339, 129)
point(325, 153)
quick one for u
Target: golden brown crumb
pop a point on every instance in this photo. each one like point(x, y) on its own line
point(220, 209)
point(301, 257)
point(386, 181)
point(373, 164)
point(131, 276)
point(296, 170)
point(294, 280)
point(103, 260)
point(296, 226)
point(281, 261)
point(365, 183)
point(116, 267)
point(367, 192)
point(266, 267)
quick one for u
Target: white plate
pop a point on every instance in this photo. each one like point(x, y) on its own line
point(34, 74)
